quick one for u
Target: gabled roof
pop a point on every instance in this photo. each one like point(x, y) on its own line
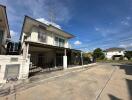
point(4, 19)
point(30, 22)
point(114, 49)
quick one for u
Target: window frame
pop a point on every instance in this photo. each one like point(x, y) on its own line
point(59, 41)
point(42, 37)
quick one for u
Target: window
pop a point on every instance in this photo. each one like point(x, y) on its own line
point(42, 37)
point(59, 42)
point(1, 36)
point(56, 41)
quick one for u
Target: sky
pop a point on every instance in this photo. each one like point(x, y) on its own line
point(95, 23)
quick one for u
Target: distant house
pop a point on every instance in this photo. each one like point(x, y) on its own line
point(4, 29)
point(113, 53)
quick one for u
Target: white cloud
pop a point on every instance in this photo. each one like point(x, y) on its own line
point(97, 29)
point(43, 20)
point(13, 33)
point(77, 42)
point(126, 45)
point(105, 31)
point(125, 23)
point(128, 18)
point(43, 8)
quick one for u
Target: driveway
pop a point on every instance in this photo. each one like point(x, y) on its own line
point(102, 82)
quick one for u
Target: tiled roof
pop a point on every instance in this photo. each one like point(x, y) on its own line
point(114, 49)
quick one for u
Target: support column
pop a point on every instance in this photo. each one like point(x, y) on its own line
point(55, 59)
point(25, 51)
point(82, 58)
point(65, 60)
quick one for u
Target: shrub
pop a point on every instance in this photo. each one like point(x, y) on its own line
point(121, 58)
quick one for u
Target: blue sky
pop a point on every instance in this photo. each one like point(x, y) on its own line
point(95, 23)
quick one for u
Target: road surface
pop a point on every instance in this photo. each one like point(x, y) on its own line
point(102, 82)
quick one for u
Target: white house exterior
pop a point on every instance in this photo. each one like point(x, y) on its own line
point(43, 47)
point(109, 53)
point(47, 46)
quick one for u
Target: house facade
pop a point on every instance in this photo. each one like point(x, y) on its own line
point(42, 47)
point(4, 29)
point(47, 46)
point(114, 52)
point(11, 66)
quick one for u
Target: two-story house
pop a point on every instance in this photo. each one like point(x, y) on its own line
point(112, 53)
point(4, 29)
point(47, 46)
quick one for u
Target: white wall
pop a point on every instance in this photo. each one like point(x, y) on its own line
point(33, 36)
point(112, 53)
point(6, 60)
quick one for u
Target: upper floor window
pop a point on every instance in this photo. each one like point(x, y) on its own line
point(56, 41)
point(42, 37)
point(1, 36)
point(59, 42)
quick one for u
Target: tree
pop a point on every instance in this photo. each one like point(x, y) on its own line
point(87, 58)
point(128, 54)
point(98, 54)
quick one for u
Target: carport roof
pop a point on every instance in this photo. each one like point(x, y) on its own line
point(42, 45)
point(114, 49)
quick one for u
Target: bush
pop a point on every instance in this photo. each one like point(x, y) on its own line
point(98, 54)
point(121, 58)
point(113, 57)
point(86, 60)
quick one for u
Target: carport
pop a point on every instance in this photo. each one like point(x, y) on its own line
point(46, 58)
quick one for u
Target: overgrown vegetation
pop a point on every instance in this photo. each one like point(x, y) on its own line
point(98, 54)
point(128, 55)
point(87, 58)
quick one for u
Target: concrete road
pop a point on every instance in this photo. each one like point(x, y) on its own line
point(102, 82)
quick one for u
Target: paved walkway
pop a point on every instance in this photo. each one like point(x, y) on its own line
point(102, 82)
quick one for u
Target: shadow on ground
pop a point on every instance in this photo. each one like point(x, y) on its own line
point(113, 97)
point(128, 71)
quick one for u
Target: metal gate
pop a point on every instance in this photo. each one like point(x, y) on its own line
point(41, 64)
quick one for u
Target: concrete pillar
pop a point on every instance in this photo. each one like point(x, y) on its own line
point(55, 58)
point(25, 51)
point(82, 58)
point(65, 60)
